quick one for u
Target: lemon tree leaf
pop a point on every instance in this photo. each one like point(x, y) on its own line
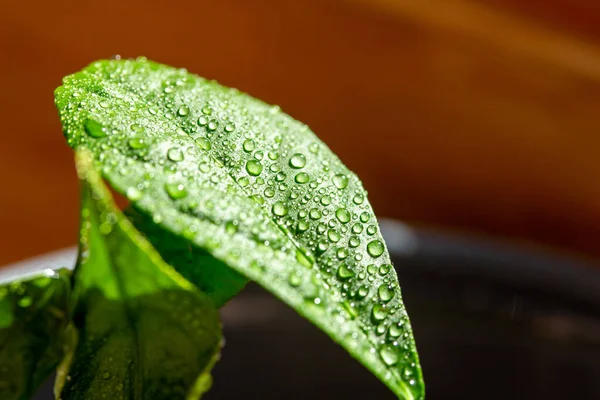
point(257, 190)
point(34, 315)
point(144, 332)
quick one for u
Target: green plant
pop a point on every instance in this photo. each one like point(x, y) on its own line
point(223, 189)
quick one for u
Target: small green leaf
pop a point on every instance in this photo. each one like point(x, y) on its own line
point(34, 314)
point(213, 277)
point(254, 188)
point(144, 332)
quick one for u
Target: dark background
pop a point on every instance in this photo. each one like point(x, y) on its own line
point(478, 116)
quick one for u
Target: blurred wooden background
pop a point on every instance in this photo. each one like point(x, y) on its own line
point(482, 116)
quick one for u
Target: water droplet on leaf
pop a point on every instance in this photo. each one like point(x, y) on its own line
point(94, 128)
point(279, 209)
point(389, 355)
point(176, 191)
point(344, 272)
point(294, 279)
point(340, 181)
point(362, 292)
point(302, 226)
point(322, 247)
point(230, 127)
point(302, 177)
point(357, 228)
point(342, 215)
point(254, 167)
point(280, 177)
point(137, 143)
point(314, 213)
point(379, 312)
point(341, 253)
point(385, 293)
point(244, 181)
point(248, 145)
point(375, 248)
point(183, 111)
point(395, 330)
point(298, 161)
point(333, 236)
point(364, 217)
point(213, 125)
point(175, 154)
point(384, 269)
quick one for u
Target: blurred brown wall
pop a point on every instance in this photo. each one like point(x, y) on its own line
point(483, 116)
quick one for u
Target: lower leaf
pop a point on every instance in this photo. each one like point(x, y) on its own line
point(144, 331)
point(33, 318)
point(212, 276)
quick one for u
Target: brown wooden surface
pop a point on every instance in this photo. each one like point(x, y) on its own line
point(482, 116)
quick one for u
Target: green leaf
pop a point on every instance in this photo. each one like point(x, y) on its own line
point(213, 277)
point(257, 190)
point(33, 319)
point(144, 331)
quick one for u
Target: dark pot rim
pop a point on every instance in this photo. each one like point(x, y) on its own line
point(443, 254)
